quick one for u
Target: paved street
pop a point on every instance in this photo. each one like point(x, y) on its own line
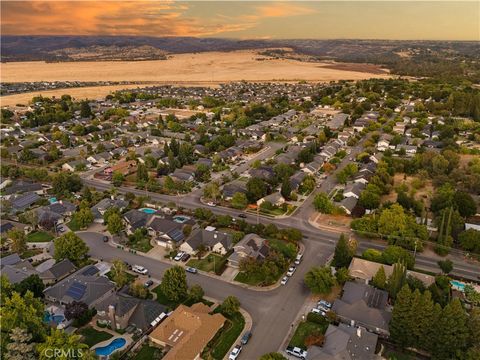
point(272, 311)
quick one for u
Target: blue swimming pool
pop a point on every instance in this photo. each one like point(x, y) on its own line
point(110, 348)
point(148, 210)
point(49, 318)
point(457, 284)
point(181, 219)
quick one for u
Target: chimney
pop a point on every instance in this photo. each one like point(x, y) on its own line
point(359, 332)
point(111, 316)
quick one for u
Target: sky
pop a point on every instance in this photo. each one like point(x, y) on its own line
point(384, 19)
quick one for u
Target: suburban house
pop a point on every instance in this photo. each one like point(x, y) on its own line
point(263, 172)
point(121, 310)
point(274, 198)
point(344, 342)
point(251, 246)
point(353, 190)
point(16, 269)
point(167, 233)
point(363, 305)
point(296, 180)
point(214, 241)
point(365, 270)
point(74, 165)
point(57, 272)
point(24, 201)
point(123, 167)
point(85, 285)
point(233, 187)
point(348, 204)
point(187, 331)
point(103, 205)
point(135, 219)
point(21, 186)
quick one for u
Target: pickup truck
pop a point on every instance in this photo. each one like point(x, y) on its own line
point(297, 352)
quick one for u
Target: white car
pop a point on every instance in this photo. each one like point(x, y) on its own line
point(235, 352)
point(298, 260)
point(284, 280)
point(291, 270)
point(297, 352)
point(179, 256)
point(212, 204)
point(324, 304)
point(318, 311)
point(140, 269)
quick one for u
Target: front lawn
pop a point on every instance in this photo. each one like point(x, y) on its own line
point(162, 299)
point(208, 264)
point(73, 225)
point(92, 336)
point(39, 236)
point(304, 329)
point(249, 279)
point(218, 347)
point(130, 277)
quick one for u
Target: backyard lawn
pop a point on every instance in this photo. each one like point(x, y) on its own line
point(39, 236)
point(206, 264)
point(148, 352)
point(218, 347)
point(92, 336)
point(304, 329)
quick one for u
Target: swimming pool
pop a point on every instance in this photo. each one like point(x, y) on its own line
point(148, 210)
point(116, 344)
point(49, 318)
point(181, 219)
point(458, 285)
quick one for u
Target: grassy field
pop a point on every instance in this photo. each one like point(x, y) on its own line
point(39, 236)
point(92, 336)
point(253, 279)
point(148, 352)
point(304, 329)
point(73, 225)
point(206, 264)
point(143, 245)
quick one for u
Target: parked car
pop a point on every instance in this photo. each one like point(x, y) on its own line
point(297, 352)
point(318, 311)
point(284, 280)
point(246, 337)
point(148, 283)
point(291, 270)
point(185, 257)
point(243, 216)
point(299, 258)
point(105, 238)
point(235, 352)
point(179, 256)
point(325, 304)
point(212, 204)
point(140, 269)
point(191, 270)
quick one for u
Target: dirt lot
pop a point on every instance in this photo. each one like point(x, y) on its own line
point(211, 67)
point(423, 193)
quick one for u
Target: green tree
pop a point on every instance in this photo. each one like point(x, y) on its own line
point(393, 254)
point(397, 279)
point(174, 284)
point(119, 272)
point(470, 240)
point(202, 173)
point(423, 315)
point(71, 247)
point(138, 290)
point(31, 283)
point(342, 275)
point(369, 199)
point(85, 110)
point(402, 322)
point(256, 189)
point(5, 289)
point(142, 173)
point(230, 306)
point(20, 346)
point(239, 200)
point(474, 328)
point(84, 217)
point(465, 204)
point(380, 278)
point(61, 340)
point(117, 178)
point(322, 203)
point(343, 253)
point(286, 188)
point(320, 280)
point(446, 265)
point(115, 224)
point(212, 191)
point(18, 240)
point(450, 337)
point(196, 293)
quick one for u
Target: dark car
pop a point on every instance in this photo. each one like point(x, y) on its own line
point(246, 337)
point(148, 283)
point(243, 216)
point(185, 257)
point(105, 238)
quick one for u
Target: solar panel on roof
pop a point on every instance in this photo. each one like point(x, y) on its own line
point(76, 290)
point(176, 235)
point(91, 270)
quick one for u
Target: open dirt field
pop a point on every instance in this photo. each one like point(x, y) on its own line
point(212, 67)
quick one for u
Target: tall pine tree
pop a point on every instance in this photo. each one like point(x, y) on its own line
point(343, 253)
point(401, 322)
point(397, 279)
point(380, 278)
